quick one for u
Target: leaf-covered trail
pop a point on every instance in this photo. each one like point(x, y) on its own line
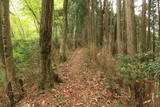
point(84, 86)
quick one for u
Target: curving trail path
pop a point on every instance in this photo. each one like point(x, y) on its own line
point(84, 86)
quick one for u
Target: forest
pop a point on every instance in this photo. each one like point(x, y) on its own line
point(79, 53)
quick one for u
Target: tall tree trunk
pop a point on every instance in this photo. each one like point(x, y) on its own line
point(153, 26)
point(112, 33)
point(2, 60)
point(124, 34)
point(92, 27)
point(102, 11)
point(159, 19)
point(154, 35)
point(89, 25)
point(1, 39)
point(106, 30)
point(149, 26)
point(119, 32)
point(65, 32)
point(131, 28)
point(143, 27)
point(11, 83)
point(114, 38)
point(47, 76)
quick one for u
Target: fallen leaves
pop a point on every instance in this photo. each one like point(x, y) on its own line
point(84, 86)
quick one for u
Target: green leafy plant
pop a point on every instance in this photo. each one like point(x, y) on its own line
point(138, 72)
point(25, 52)
point(157, 95)
point(1, 80)
point(60, 99)
point(139, 66)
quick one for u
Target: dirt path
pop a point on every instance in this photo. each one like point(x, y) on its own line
point(84, 86)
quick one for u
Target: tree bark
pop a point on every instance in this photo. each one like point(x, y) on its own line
point(65, 32)
point(1, 39)
point(9, 69)
point(119, 32)
point(47, 76)
point(159, 19)
point(124, 34)
point(131, 28)
point(2, 60)
point(102, 11)
point(143, 27)
point(106, 29)
point(149, 26)
point(11, 83)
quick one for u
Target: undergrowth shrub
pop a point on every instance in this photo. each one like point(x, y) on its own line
point(25, 52)
point(139, 73)
point(134, 67)
point(27, 59)
point(1, 79)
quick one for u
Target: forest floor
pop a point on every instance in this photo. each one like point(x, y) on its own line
point(84, 85)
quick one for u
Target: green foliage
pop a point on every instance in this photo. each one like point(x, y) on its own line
point(157, 95)
point(63, 58)
point(25, 52)
point(1, 79)
point(118, 105)
point(144, 56)
point(78, 11)
point(153, 68)
point(27, 5)
point(58, 4)
point(60, 98)
point(139, 66)
point(24, 22)
point(56, 42)
point(157, 44)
